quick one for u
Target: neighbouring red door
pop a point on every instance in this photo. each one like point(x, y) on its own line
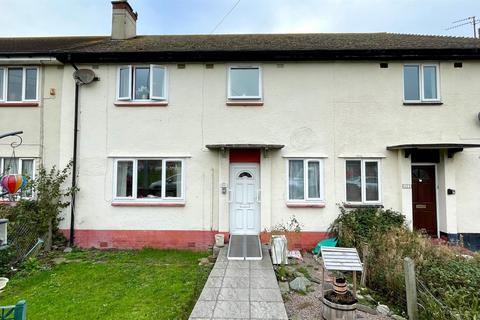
point(424, 199)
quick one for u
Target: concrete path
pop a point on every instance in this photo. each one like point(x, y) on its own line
point(240, 290)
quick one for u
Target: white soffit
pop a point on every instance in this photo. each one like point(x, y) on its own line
point(29, 61)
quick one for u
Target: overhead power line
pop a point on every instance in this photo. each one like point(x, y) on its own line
point(225, 16)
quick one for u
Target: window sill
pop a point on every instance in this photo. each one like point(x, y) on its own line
point(19, 104)
point(424, 103)
point(147, 204)
point(245, 103)
point(141, 104)
point(305, 205)
point(361, 205)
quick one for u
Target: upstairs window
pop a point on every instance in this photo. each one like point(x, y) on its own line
point(244, 82)
point(149, 179)
point(142, 83)
point(305, 180)
point(420, 83)
point(18, 84)
point(362, 181)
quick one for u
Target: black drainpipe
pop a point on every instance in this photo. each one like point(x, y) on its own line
point(74, 164)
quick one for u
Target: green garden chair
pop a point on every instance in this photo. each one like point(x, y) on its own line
point(16, 312)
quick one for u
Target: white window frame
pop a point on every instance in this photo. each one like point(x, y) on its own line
point(363, 181)
point(165, 81)
point(129, 96)
point(260, 85)
point(131, 83)
point(19, 170)
point(421, 66)
point(24, 82)
point(163, 197)
point(4, 85)
point(306, 198)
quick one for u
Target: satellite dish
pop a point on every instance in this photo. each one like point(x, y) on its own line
point(84, 76)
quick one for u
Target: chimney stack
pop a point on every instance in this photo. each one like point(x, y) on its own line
point(124, 20)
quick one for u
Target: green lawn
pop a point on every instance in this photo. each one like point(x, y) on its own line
point(147, 284)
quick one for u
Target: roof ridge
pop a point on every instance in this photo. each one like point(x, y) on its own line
point(432, 35)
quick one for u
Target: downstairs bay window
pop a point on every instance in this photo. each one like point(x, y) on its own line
point(362, 179)
point(305, 180)
point(149, 180)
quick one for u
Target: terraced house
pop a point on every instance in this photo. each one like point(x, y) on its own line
point(181, 137)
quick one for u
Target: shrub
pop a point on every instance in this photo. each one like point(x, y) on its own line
point(359, 225)
point(448, 283)
point(43, 211)
point(38, 217)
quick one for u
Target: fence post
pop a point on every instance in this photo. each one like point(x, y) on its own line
point(411, 288)
point(363, 279)
point(48, 242)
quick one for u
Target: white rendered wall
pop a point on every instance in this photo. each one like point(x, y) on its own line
point(334, 109)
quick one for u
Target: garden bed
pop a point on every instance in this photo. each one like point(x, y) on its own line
point(146, 284)
point(308, 304)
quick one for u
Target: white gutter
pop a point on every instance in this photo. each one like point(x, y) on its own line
point(29, 60)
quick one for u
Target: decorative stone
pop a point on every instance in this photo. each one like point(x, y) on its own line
point(68, 250)
point(366, 309)
point(203, 261)
point(397, 317)
point(59, 260)
point(299, 284)
point(369, 298)
point(284, 287)
point(216, 251)
point(383, 309)
point(360, 297)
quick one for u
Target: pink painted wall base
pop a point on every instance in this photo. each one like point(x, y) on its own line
point(175, 239)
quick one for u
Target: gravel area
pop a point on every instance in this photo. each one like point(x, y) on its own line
point(309, 306)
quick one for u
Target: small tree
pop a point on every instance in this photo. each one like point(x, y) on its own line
point(51, 196)
point(41, 214)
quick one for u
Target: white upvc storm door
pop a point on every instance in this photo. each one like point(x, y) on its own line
point(244, 198)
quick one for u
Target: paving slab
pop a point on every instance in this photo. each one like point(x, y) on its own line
point(238, 289)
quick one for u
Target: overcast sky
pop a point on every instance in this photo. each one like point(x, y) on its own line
point(93, 17)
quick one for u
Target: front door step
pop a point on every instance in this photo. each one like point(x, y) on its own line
point(244, 247)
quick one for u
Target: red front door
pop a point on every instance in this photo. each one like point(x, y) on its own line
point(424, 199)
